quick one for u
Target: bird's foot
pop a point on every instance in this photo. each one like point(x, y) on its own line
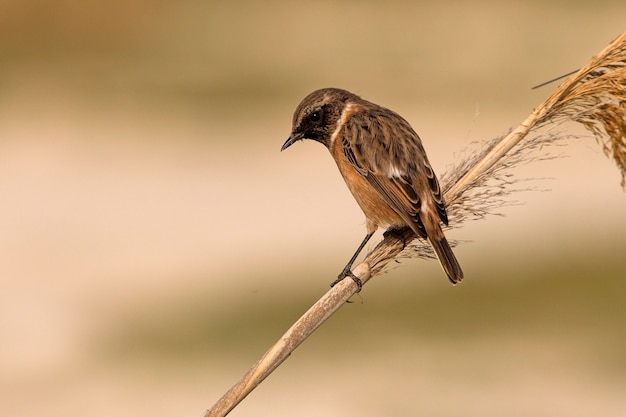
point(397, 233)
point(347, 273)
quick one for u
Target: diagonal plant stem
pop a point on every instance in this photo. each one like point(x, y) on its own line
point(330, 302)
point(575, 97)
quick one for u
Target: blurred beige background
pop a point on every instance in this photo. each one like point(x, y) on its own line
point(155, 241)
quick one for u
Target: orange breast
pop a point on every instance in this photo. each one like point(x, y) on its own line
point(376, 210)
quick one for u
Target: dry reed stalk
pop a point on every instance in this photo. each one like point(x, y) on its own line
point(595, 96)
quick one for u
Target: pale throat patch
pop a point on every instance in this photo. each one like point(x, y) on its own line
point(347, 111)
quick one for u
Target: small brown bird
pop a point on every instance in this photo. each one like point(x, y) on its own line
point(384, 164)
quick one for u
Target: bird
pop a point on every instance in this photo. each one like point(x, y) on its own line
point(384, 164)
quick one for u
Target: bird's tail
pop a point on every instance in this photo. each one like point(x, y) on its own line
point(447, 259)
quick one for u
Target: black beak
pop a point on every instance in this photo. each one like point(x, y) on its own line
point(292, 139)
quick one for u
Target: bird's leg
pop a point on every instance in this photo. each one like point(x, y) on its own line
point(347, 272)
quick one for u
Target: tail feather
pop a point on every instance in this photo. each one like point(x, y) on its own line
point(447, 259)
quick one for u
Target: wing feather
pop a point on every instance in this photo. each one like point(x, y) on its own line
point(385, 150)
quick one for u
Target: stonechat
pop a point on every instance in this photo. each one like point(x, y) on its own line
point(384, 164)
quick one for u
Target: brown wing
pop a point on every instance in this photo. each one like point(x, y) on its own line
point(389, 154)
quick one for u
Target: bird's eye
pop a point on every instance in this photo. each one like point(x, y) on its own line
point(316, 116)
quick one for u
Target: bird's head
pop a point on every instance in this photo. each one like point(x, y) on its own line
point(317, 115)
